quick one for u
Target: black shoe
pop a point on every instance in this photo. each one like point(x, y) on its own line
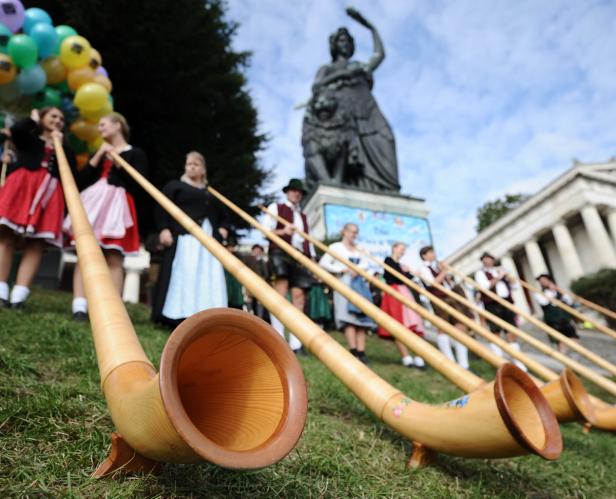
point(80, 316)
point(362, 356)
point(4, 304)
point(300, 352)
point(18, 305)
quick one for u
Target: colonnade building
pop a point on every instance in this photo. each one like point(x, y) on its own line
point(567, 229)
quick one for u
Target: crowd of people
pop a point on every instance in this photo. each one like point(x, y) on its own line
point(190, 279)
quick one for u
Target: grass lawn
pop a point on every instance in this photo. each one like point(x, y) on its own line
point(54, 430)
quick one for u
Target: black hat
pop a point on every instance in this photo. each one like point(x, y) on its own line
point(487, 255)
point(295, 184)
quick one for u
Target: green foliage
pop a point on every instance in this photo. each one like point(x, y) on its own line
point(491, 211)
point(54, 430)
point(179, 83)
point(599, 287)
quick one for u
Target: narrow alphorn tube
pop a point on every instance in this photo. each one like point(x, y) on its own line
point(229, 391)
point(548, 330)
point(568, 308)
point(590, 304)
point(507, 417)
point(565, 393)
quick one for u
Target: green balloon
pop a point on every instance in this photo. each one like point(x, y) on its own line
point(23, 51)
point(48, 97)
point(5, 36)
point(63, 87)
point(63, 31)
point(78, 146)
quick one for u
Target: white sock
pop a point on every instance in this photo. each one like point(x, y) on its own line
point(407, 360)
point(461, 354)
point(497, 350)
point(4, 291)
point(419, 362)
point(80, 304)
point(516, 346)
point(294, 342)
point(444, 345)
point(19, 293)
point(277, 325)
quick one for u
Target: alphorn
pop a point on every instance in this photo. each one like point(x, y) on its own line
point(229, 390)
point(565, 394)
point(608, 366)
point(505, 418)
point(590, 304)
point(568, 308)
point(4, 163)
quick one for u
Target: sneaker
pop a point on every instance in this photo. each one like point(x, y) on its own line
point(80, 317)
point(300, 352)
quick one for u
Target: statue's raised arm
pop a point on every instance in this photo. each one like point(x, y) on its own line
point(378, 50)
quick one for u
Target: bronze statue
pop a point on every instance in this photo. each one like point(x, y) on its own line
point(346, 138)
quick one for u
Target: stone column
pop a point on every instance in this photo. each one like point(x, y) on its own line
point(599, 238)
point(535, 258)
point(611, 223)
point(519, 300)
point(567, 251)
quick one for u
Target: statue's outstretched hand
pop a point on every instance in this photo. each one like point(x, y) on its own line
point(354, 14)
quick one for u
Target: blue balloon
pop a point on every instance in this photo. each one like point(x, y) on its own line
point(5, 36)
point(33, 16)
point(31, 80)
point(46, 39)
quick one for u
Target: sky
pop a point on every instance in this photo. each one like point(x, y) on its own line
point(485, 97)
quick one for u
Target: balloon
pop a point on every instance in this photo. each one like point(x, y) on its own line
point(94, 116)
point(104, 81)
point(94, 144)
point(78, 146)
point(63, 87)
point(5, 36)
point(75, 52)
point(102, 71)
point(9, 92)
point(31, 80)
point(71, 113)
point(23, 50)
point(12, 14)
point(54, 69)
point(83, 130)
point(48, 97)
point(82, 159)
point(7, 69)
point(79, 76)
point(45, 38)
point(63, 31)
point(91, 97)
point(34, 16)
point(95, 59)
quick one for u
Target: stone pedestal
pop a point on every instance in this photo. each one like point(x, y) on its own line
point(382, 218)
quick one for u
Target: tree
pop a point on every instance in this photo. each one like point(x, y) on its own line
point(180, 85)
point(599, 287)
point(491, 211)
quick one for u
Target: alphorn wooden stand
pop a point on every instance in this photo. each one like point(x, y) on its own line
point(568, 308)
point(570, 402)
point(505, 418)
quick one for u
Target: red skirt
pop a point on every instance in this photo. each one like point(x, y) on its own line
point(32, 205)
point(401, 313)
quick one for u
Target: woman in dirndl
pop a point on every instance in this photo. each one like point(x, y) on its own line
point(190, 278)
point(108, 196)
point(31, 200)
point(397, 310)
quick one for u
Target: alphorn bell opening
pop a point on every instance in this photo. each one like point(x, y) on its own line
point(229, 389)
point(511, 420)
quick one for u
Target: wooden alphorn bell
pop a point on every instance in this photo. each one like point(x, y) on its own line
point(568, 308)
point(505, 418)
point(565, 393)
point(229, 390)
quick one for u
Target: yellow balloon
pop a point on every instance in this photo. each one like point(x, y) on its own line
point(95, 59)
point(7, 69)
point(79, 76)
point(95, 143)
point(83, 130)
point(91, 97)
point(94, 116)
point(54, 69)
point(104, 81)
point(75, 52)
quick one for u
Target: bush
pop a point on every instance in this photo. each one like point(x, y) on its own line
point(599, 287)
